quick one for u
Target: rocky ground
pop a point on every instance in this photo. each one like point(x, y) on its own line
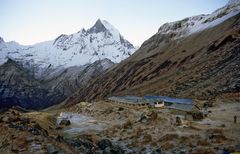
point(123, 130)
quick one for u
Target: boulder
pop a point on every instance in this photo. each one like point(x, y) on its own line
point(59, 128)
point(51, 149)
point(65, 122)
point(82, 104)
point(178, 121)
point(5, 119)
point(74, 143)
point(158, 151)
point(113, 150)
point(182, 151)
point(120, 109)
point(59, 138)
point(35, 131)
point(104, 143)
point(107, 150)
point(197, 116)
point(127, 125)
point(87, 144)
point(143, 118)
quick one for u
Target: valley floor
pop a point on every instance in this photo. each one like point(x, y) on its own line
point(104, 127)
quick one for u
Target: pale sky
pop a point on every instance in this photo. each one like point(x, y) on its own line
point(32, 21)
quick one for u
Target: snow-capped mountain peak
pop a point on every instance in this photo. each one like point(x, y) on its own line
point(199, 23)
point(100, 41)
point(98, 27)
point(102, 26)
point(110, 28)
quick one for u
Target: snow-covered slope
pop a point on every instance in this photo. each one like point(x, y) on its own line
point(199, 23)
point(86, 46)
point(233, 2)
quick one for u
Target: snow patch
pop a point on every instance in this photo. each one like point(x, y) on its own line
point(199, 23)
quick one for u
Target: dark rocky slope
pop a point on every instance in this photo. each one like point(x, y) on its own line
point(19, 87)
point(202, 65)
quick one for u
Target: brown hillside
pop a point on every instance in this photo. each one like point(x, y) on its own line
point(202, 65)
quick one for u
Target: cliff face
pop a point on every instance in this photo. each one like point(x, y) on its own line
point(204, 64)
